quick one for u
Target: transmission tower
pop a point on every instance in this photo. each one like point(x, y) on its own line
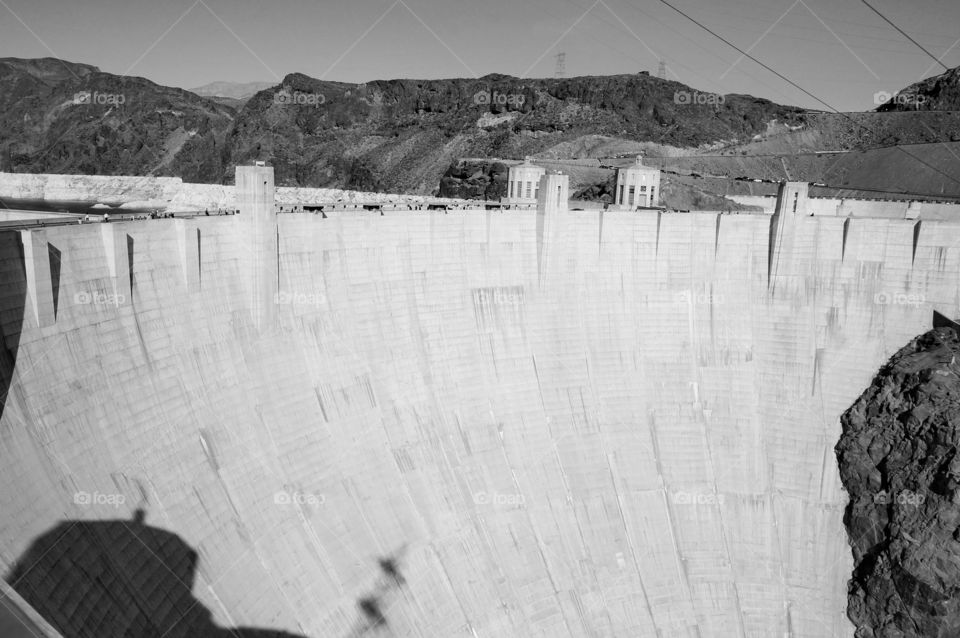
point(561, 70)
point(662, 70)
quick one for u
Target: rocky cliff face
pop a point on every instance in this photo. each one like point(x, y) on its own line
point(937, 93)
point(899, 461)
point(61, 117)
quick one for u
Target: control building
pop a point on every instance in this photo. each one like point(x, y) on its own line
point(638, 186)
point(524, 183)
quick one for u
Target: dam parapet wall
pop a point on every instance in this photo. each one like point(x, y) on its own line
point(570, 422)
point(171, 193)
point(87, 188)
point(866, 208)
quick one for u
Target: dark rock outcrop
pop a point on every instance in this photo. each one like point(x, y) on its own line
point(604, 191)
point(899, 461)
point(475, 179)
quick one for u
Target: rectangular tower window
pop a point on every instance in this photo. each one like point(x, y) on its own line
point(511, 190)
point(528, 190)
point(632, 194)
point(620, 199)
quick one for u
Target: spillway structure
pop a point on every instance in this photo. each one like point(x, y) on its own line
point(479, 423)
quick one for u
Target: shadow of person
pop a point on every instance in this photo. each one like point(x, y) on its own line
point(100, 579)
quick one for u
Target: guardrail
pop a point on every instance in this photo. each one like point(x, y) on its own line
point(320, 208)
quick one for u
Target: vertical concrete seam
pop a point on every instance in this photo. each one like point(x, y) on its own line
point(656, 250)
point(772, 246)
point(716, 236)
point(600, 236)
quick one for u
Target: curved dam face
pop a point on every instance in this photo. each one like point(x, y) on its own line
point(463, 423)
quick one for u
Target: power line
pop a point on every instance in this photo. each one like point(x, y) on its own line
point(745, 54)
point(904, 34)
point(675, 63)
point(822, 42)
point(740, 19)
point(803, 90)
point(848, 187)
point(605, 41)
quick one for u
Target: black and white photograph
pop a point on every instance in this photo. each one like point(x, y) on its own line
point(500, 319)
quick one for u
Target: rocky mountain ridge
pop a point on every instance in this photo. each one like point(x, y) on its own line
point(388, 136)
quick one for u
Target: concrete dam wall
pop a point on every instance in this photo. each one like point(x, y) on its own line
point(472, 423)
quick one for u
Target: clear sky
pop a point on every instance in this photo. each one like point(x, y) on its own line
point(837, 49)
